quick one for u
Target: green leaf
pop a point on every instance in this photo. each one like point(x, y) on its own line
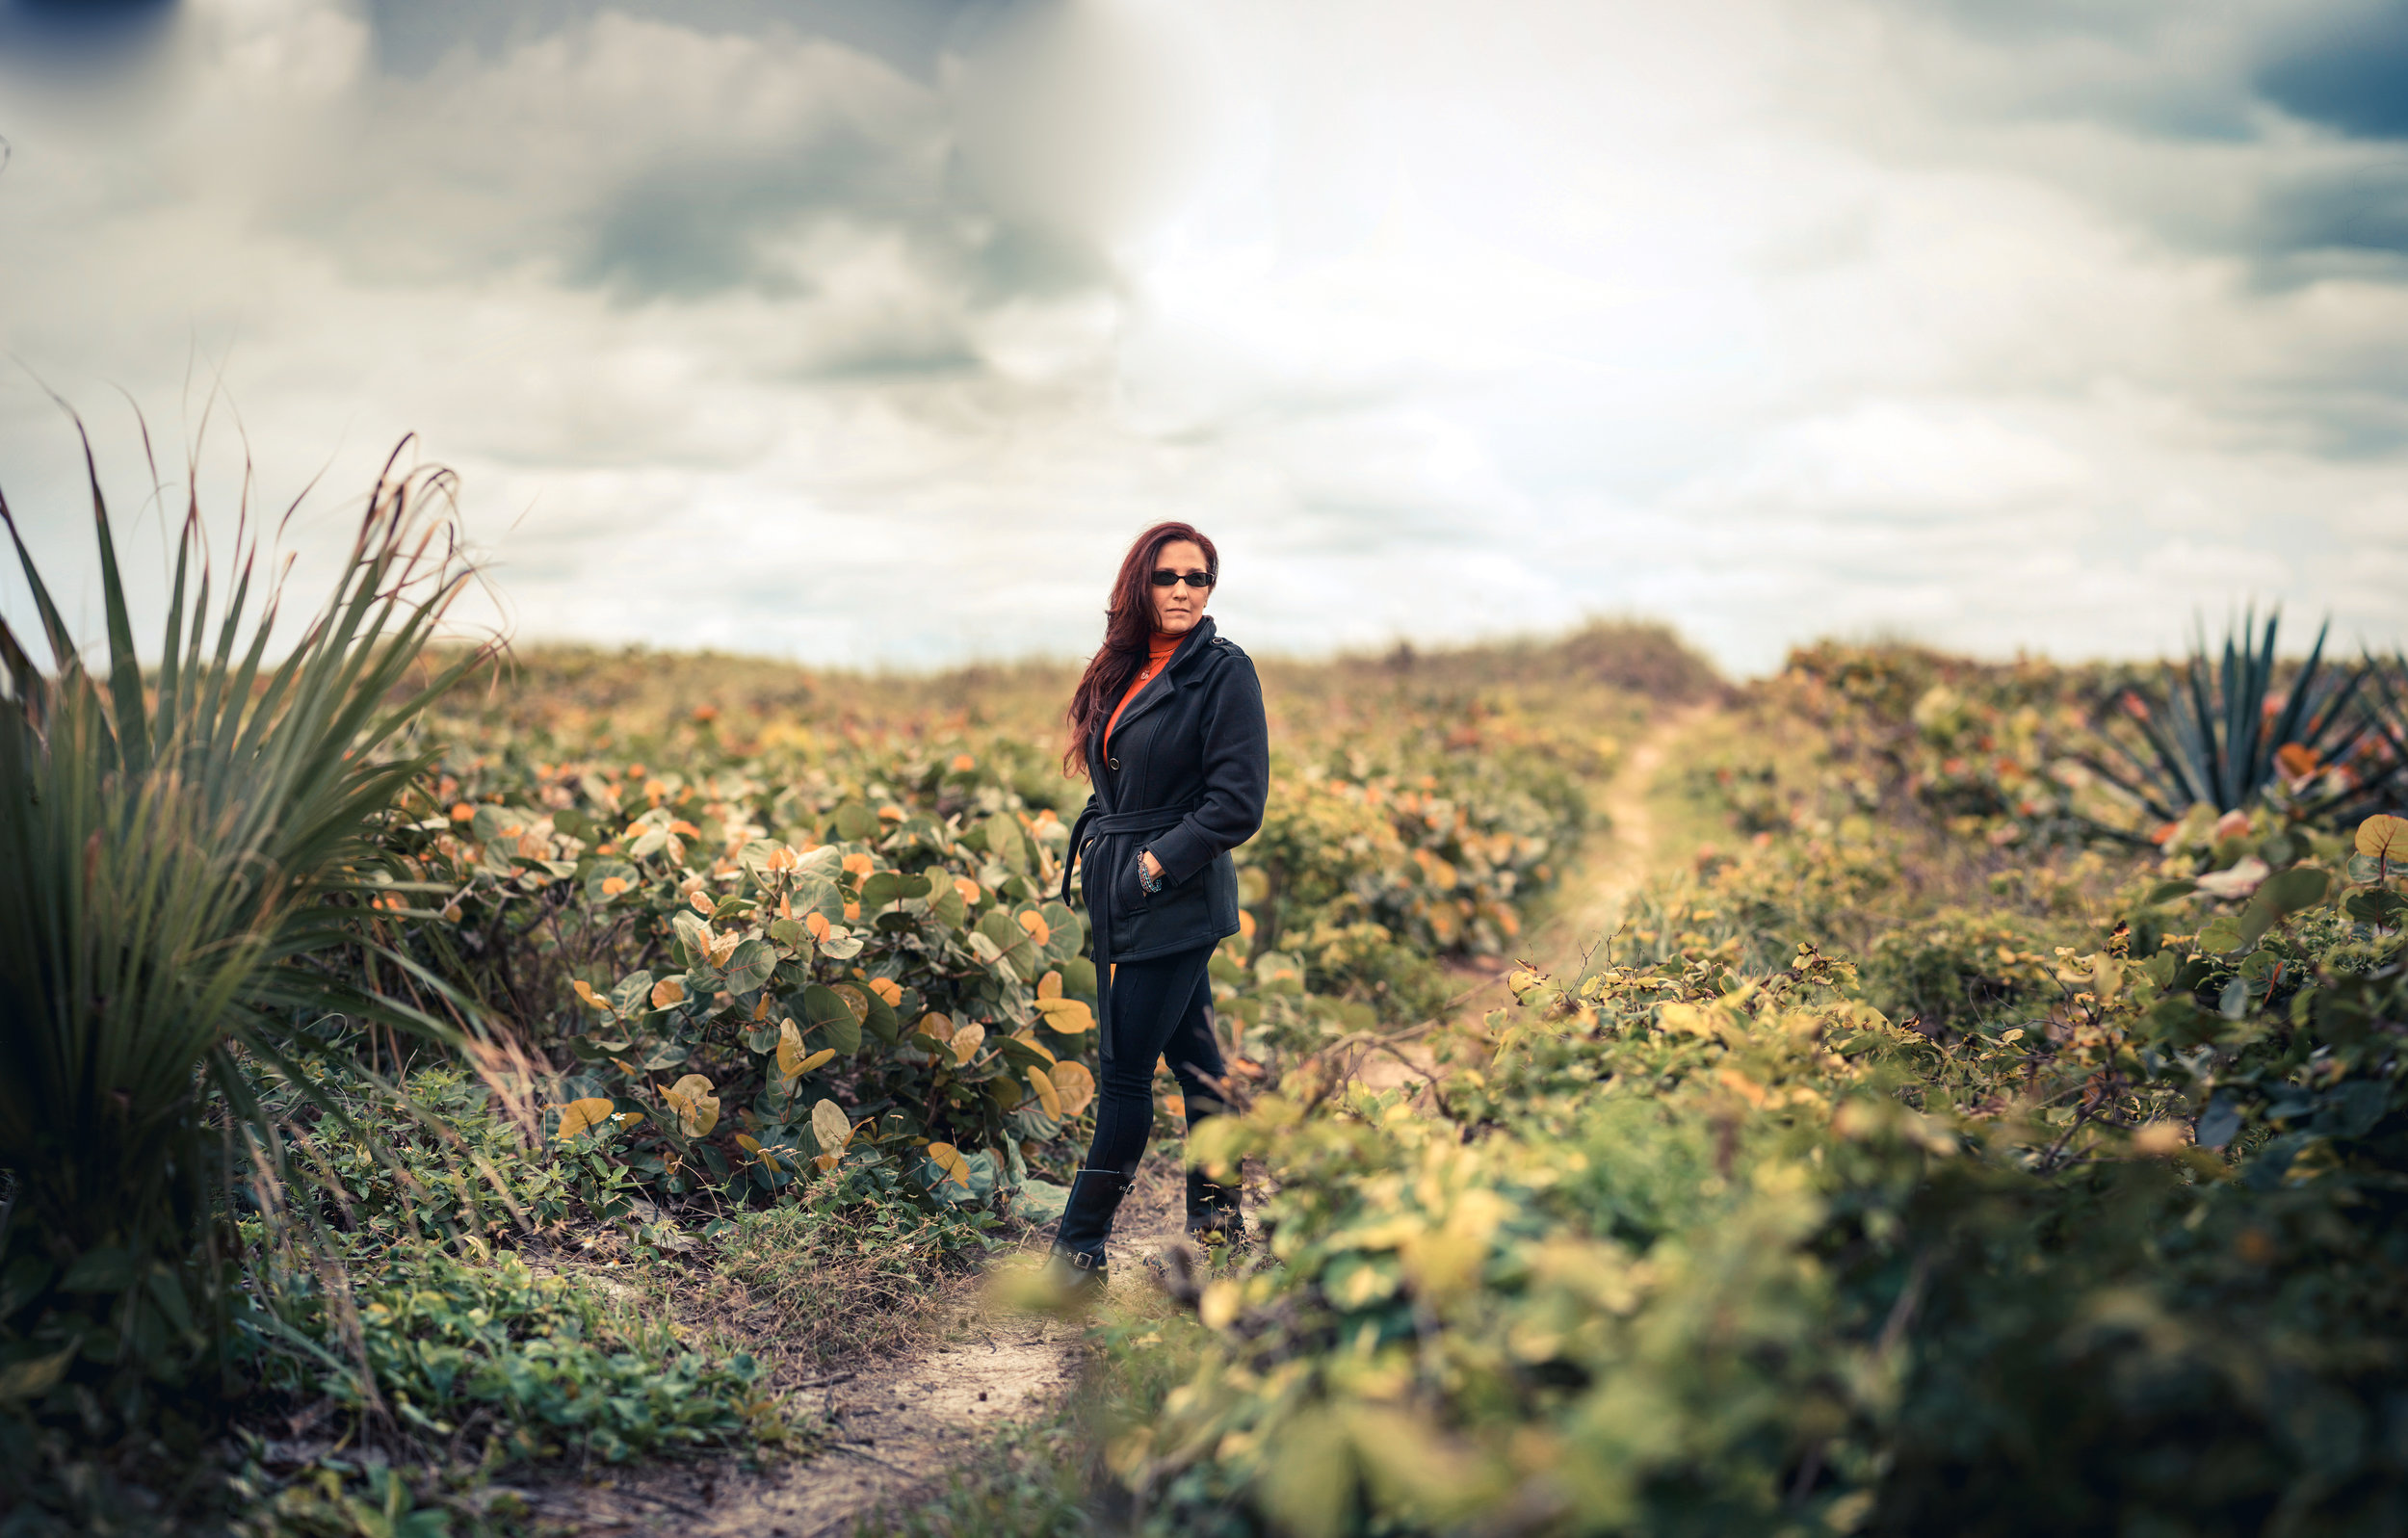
point(2222, 936)
point(1006, 843)
point(855, 823)
point(828, 1011)
point(890, 886)
point(101, 1270)
point(750, 966)
point(2279, 897)
point(1078, 978)
point(792, 934)
point(1014, 947)
point(1067, 936)
point(2386, 909)
point(881, 1018)
point(2168, 891)
point(608, 873)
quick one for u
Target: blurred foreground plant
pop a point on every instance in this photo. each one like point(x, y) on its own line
point(187, 852)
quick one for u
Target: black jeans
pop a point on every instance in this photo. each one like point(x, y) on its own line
point(1160, 1008)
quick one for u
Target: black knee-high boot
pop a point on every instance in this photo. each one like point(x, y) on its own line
point(1087, 1222)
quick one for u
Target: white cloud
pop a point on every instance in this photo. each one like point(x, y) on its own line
point(2008, 330)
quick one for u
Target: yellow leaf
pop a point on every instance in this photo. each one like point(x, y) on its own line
point(1047, 1095)
point(1069, 1016)
point(833, 1129)
point(825, 1161)
point(628, 1068)
point(1075, 1086)
point(949, 1159)
point(1049, 986)
point(789, 1052)
point(747, 1142)
point(2384, 837)
point(578, 1115)
point(967, 1041)
point(936, 1025)
point(585, 991)
point(668, 993)
point(699, 900)
point(1028, 1039)
point(816, 1059)
point(697, 1108)
point(1034, 923)
point(888, 989)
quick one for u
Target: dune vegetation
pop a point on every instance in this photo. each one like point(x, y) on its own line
point(1936, 1096)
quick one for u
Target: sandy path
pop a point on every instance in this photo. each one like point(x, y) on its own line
point(895, 1427)
point(1614, 863)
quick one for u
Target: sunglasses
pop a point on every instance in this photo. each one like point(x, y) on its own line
point(1194, 579)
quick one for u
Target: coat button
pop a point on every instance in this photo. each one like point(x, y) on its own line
point(1113, 764)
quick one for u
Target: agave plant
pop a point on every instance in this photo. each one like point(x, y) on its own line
point(187, 853)
point(2217, 733)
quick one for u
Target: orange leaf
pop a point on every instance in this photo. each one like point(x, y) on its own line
point(614, 885)
point(668, 993)
point(859, 864)
point(1075, 1086)
point(1047, 1095)
point(463, 812)
point(2384, 837)
point(888, 989)
point(947, 1157)
point(890, 814)
point(968, 889)
point(817, 923)
point(935, 1024)
point(1034, 923)
point(700, 902)
point(581, 1115)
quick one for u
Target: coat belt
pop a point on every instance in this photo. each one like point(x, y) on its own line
point(1092, 825)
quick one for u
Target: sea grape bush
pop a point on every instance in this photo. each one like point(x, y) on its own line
point(1686, 1249)
point(911, 975)
point(2076, 1208)
point(835, 950)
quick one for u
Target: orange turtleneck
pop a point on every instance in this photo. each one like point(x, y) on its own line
point(1158, 652)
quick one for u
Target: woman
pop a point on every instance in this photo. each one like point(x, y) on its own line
point(1168, 723)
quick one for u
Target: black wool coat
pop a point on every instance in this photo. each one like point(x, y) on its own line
point(1186, 776)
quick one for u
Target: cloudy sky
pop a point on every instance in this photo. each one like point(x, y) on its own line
point(869, 331)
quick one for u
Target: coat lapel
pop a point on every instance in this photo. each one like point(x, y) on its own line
point(1160, 687)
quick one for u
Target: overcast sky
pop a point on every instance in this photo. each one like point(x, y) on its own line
point(869, 330)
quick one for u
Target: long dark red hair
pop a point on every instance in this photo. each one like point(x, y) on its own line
point(1127, 625)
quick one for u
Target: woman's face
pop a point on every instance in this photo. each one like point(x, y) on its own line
point(1178, 607)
